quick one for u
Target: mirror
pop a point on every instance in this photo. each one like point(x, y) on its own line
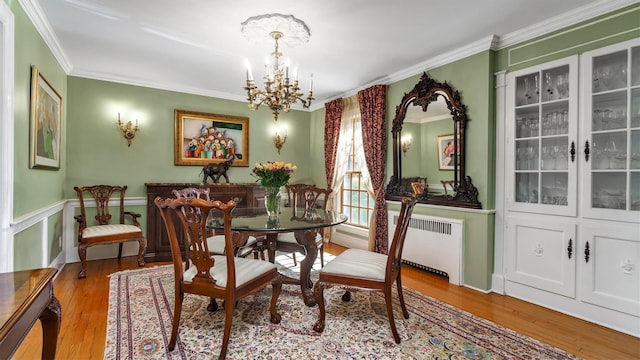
point(406, 181)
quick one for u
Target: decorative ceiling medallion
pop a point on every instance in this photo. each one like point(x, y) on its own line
point(259, 28)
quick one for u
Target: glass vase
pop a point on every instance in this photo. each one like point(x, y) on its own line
point(272, 201)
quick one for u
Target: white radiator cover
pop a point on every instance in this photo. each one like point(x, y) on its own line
point(434, 244)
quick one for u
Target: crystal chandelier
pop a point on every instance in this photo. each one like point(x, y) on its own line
point(280, 91)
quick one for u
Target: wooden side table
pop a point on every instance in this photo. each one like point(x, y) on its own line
point(26, 296)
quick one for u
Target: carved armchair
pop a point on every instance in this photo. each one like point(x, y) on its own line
point(105, 230)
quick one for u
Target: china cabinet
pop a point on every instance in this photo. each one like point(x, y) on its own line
point(542, 128)
point(611, 133)
point(572, 181)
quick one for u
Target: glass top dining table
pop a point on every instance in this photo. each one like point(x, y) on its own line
point(305, 225)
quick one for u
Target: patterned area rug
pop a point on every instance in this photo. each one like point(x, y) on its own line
point(141, 308)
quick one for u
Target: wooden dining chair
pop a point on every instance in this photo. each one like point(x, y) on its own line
point(451, 184)
point(306, 197)
point(215, 241)
point(357, 269)
point(106, 230)
point(216, 276)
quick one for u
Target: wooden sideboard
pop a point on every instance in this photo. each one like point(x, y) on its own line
point(158, 249)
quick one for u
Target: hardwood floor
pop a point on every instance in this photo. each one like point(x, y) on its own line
point(84, 313)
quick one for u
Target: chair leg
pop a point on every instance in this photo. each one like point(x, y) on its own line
point(228, 317)
point(213, 305)
point(388, 300)
point(321, 248)
point(295, 263)
point(405, 312)
point(119, 251)
point(141, 245)
point(176, 318)
point(82, 253)
point(318, 290)
point(275, 293)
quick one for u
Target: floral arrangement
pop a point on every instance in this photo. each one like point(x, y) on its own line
point(273, 173)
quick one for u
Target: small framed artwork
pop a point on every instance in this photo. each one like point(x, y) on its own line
point(447, 155)
point(418, 187)
point(203, 138)
point(46, 117)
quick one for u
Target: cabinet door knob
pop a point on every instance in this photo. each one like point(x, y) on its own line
point(586, 252)
point(572, 152)
point(586, 151)
point(570, 248)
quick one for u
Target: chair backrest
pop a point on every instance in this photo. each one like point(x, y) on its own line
point(310, 197)
point(293, 189)
point(101, 194)
point(451, 184)
point(191, 192)
point(394, 259)
point(193, 214)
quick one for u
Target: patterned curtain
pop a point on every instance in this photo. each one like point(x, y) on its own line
point(374, 137)
point(332, 119)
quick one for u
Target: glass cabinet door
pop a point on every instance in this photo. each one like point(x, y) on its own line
point(541, 140)
point(611, 132)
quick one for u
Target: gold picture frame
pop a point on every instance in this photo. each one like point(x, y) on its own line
point(418, 187)
point(203, 138)
point(46, 122)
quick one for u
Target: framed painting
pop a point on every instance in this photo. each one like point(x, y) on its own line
point(46, 117)
point(447, 155)
point(203, 138)
point(418, 187)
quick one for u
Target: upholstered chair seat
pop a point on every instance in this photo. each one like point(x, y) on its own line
point(358, 263)
point(246, 270)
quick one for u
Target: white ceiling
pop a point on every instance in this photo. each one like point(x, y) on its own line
point(196, 46)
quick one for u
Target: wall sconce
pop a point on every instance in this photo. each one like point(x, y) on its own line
point(279, 140)
point(128, 130)
point(405, 142)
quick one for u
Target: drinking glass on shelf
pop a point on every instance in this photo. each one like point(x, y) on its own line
point(562, 85)
point(550, 85)
point(532, 156)
point(560, 157)
point(547, 158)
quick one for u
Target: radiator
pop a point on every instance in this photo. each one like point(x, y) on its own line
point(433, 243)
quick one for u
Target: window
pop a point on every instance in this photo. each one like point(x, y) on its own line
point(355, 200)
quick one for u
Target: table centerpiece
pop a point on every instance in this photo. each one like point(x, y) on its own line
point(272, 176)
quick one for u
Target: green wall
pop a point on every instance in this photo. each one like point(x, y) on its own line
point(98, 153)
point(467, 77)
point(476, 90)
point(36, 188)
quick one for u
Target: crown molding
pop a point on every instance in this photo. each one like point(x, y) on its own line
point(563, 20)
point(157, 85)
point(487, 43)
point(35, 14)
